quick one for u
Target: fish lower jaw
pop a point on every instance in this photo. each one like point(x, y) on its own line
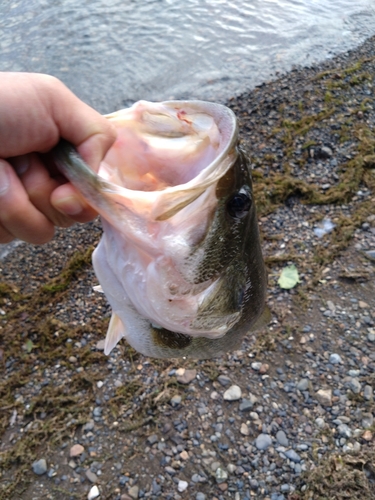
point(192, 331)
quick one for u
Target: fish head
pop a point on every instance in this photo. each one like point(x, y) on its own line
point(180, 259)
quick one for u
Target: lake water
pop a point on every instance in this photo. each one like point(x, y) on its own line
point(114, 52)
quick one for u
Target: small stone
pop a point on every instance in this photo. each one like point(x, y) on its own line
point(93, 493)
point(39, 467)
point(324, 397)
point(264, 368)
point(303, 384)
point(320, 422)
point(89, 426)
point(233, 393)
point(246, 405)
point(186, 376)
point(231, 468)
point(214, 395)
point(363, 305)
point(100, 345)
point(221, 475)
point(76, 450)
point(224, 381)
point(281, 438)
point(355, 385)
point(152, 439)
point(244, 430)
point(367, 420)
point(368, 393)
point(91, 476)
point(182, 486)
point(99, 384)
point(200, 496)
point(184, 455)
point(335, 359)
point(371, 337)
point(367, 435)
point(256, 365)
point(263, 441)
point(293, 456)
point(214, 466)
point(344, 431)
point(73, 359)
point(176, 400)
point(134, 492)
point(223, 486)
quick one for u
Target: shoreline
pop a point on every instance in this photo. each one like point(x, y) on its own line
point(307, 379)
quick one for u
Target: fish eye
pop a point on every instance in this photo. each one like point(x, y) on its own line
point(239, 204)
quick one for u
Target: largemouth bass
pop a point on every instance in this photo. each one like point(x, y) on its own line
point(180, 260)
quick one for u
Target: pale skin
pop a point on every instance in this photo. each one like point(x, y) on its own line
point(35, 112)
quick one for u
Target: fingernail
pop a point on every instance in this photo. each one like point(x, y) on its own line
point(4, 178)
point(21, 164)
point(69, 206)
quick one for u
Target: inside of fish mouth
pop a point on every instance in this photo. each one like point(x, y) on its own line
point(173, 340)
point(159, 157)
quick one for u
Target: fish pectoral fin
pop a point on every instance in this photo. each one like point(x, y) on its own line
point(263, 319)
point(116, 331)
point(98, 288)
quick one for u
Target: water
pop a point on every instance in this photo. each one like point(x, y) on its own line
point(114, 52)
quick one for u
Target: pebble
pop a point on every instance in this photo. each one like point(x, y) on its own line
point(182, 486)
point(281, 438)
point(134, 492)
point(223, 380)
point(335, 359)
point(185, 376)
point(263, 441)
point(176, 400)
point(256, 365)
point(368, 393)
point(355, 385)
point(40, 467)
point(244, 430)
point(324, 397)
point(344, 430)
point(221, 475)
point(91, 476)
point(76, 450)
point(292, 455)
point(233, 393)
point(367, 420)
point(246, 405)
point(303, 384)
point(200, 496)
point(93, 493)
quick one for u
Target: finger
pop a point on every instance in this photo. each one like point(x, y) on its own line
point(68, 201)
point(42, 110)
point(18, 216)
point(40, 186)
point(5, 236)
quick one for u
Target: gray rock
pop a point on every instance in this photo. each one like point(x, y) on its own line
point(344, 430)
point(91, 476)
point(367, 420)
point(256, 365)
point(303, 384)
point(221, 475)
point(293, 456)
point(371, 337)
point(335, 359)
point(152, 439)
point(355, 385)
point(176, 400)
point(224, 381)
point(368, 393)
point(233, 393)
point(281, 438)
point(246, 405)
point(320, 422)
point(263, 441)
point(200, 496)
point(39, 467)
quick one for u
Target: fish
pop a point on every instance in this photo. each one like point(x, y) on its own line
point(180, 258)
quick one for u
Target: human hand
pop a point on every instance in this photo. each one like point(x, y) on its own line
point(35, 111)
